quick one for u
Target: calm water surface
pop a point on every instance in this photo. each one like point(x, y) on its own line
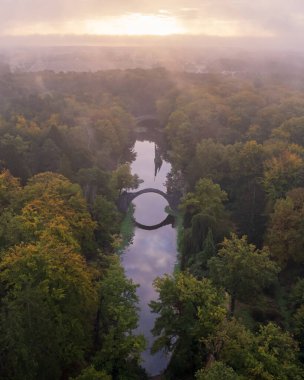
point(152, 253)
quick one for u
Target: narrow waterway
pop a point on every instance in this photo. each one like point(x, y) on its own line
point(152, 253)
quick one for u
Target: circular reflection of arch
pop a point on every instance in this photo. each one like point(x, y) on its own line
point(168, 220)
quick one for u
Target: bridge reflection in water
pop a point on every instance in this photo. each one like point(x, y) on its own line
point(169, 220)
point(126, 199)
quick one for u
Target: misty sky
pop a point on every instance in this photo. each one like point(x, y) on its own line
point(258, 18)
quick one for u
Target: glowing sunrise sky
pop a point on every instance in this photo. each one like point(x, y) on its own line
point(228, 18)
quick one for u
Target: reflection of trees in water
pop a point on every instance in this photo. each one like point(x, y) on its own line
point(153, 134)
point(157, 137)
point(158, 161)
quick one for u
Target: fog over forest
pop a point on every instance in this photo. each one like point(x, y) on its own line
point(151, 190)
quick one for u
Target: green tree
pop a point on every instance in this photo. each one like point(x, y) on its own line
point(90, 373)
point(296, 309)
point(277, 354)
point(198, 262)
point(50, 196)
point(10, 204)
point(243, 184)
point(285, 234)
point(241, 269)
point(107, 220)
point(207, 198)
point(218, 371)
point(188, 311)
point(48, 302)
point(291, 131)
point(211, 161)
point(10, 190)
point(232, 344)
point(94, 181)
point(122, 179)
point(179, 134)
point(14, 155)
point(283, 173)
point(118, 348)
point(270, 353)
point(203, 210)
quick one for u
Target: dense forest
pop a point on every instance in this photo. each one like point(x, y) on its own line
point(234, 307)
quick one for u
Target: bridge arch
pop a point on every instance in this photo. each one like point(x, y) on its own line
point(146, 118)
point(126, 198)
point(149, 190)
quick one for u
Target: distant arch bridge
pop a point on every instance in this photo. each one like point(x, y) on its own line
point(146, 118)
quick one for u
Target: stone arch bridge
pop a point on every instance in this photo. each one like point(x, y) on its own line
point(146, 118)
point(173, 199)
point(126, 198)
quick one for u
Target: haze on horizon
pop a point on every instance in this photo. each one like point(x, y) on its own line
point(275, 20)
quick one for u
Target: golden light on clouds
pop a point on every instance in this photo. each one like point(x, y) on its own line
point(132, 24)
point(162, 23)
point(136, 24)
point(273, 19)
point(227, 28)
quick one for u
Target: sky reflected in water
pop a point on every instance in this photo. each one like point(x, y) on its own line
point(150, 209)
point(152, 253)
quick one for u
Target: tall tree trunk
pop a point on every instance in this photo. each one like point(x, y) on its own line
point(232, 304)
point(96, 330)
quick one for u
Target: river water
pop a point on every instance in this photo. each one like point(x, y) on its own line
point(152, 253)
